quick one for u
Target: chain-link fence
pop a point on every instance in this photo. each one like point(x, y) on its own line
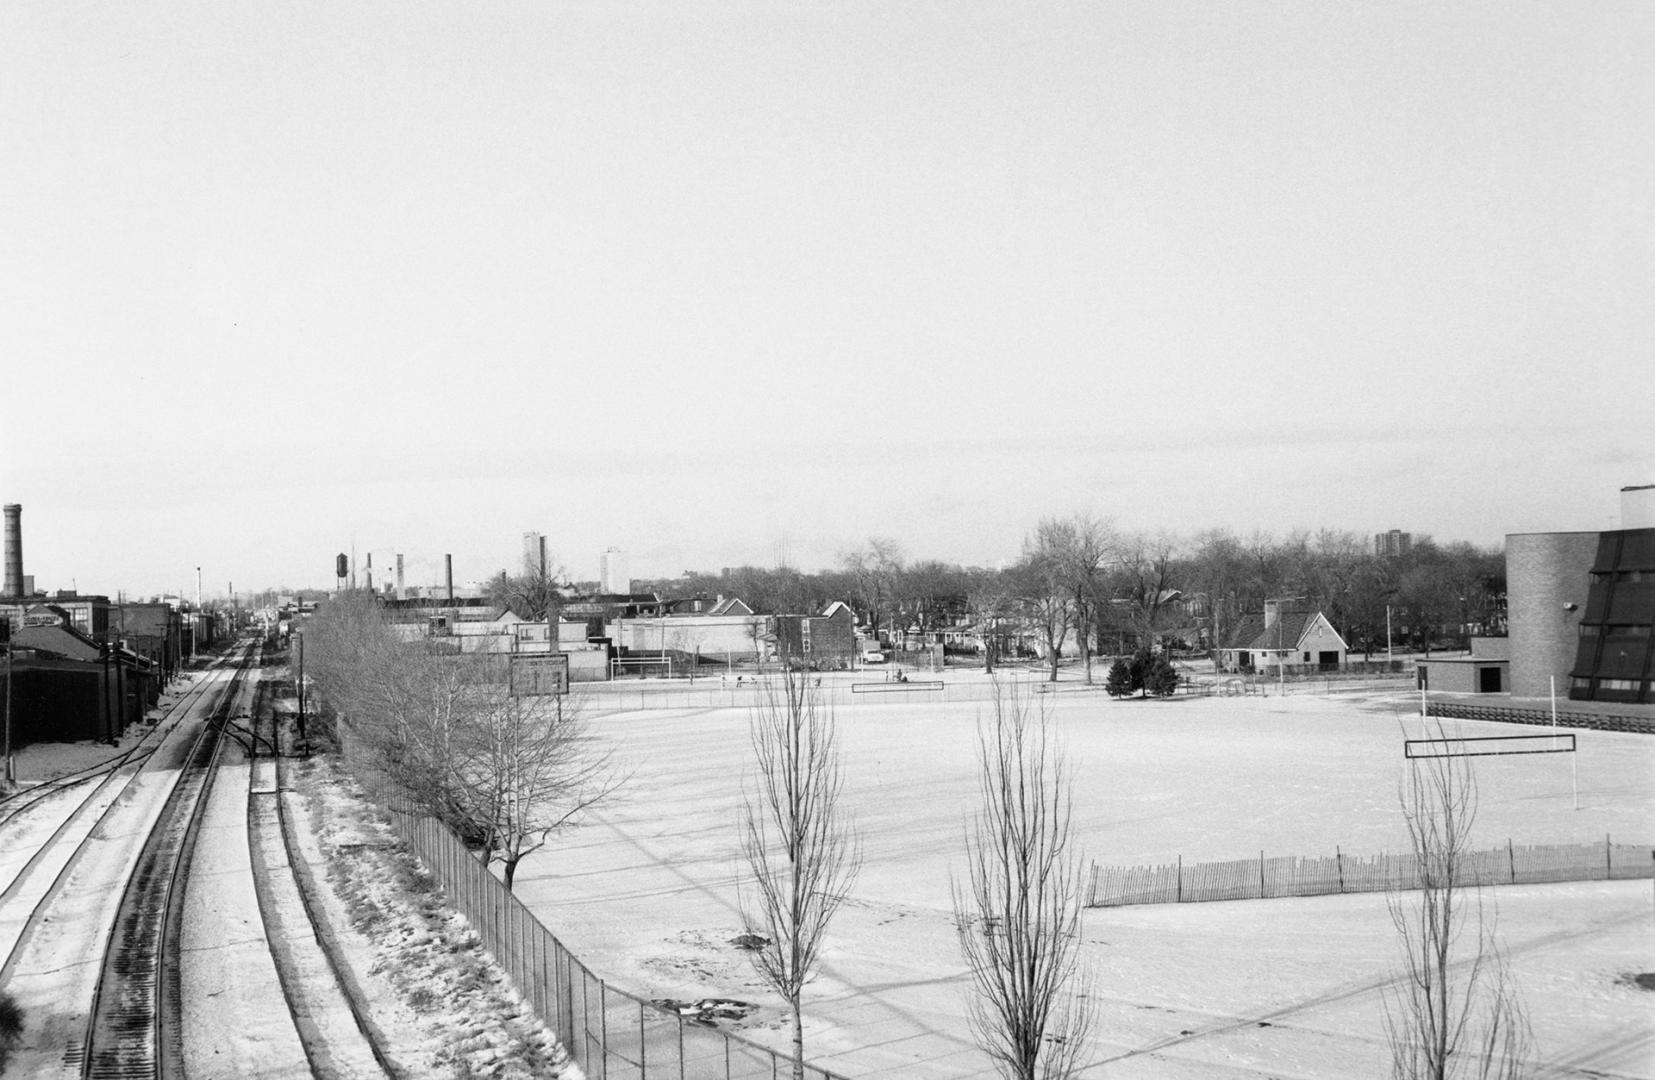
point(608, 1032)
point(873, 686)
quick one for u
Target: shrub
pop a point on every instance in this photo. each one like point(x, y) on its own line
point(1146, 671)
point(11, 1027)
point(1159, 676)
point(1119, 683)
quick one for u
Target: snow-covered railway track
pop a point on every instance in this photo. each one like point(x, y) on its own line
point(47, 827)
point(329, 1010)
point(133, 1029)
point(16, 807)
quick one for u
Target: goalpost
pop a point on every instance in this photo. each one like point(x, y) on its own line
point(640, 664)
point(1464, 746)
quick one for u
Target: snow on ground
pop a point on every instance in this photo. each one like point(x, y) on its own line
point(645, 892)
point(450, 1011)
point(226, 974)
point(447, 1007)
point(39, 762)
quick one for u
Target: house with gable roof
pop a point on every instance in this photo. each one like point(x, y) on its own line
point(823, 642)
point(1285, 634)
point(68, 686)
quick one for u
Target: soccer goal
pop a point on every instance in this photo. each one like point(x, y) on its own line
point(622, 666)
point(1556, 742)
point(1489, 745)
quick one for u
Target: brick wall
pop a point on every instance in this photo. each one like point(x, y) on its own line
point(1545, 572)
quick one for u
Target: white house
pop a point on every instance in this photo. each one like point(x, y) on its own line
point(1299, 638)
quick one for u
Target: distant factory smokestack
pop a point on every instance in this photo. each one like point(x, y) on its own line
point(448, 574)
point(400, 594)
point(14, 550)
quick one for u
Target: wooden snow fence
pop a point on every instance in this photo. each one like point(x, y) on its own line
point(1268, 878)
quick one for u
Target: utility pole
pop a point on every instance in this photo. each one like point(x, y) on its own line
point(5, 749)
point(303, 738)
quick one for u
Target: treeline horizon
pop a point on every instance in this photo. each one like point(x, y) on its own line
point(1081, 572)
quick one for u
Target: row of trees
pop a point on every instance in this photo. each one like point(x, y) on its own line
point(1080, 581)
point(1450, 1011)
point(445, 732)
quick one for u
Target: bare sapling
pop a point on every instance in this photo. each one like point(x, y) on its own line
point(800, 848)
point(1018, 914)
point(1453, 1010)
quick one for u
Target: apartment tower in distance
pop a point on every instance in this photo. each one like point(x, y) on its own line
point(534, 554)
point(1393, 544)
point(612, 576)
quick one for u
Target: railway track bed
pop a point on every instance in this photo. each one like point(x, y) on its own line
point(204, 938)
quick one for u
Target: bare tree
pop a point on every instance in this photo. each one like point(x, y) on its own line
point(1145, 578)
point(801, 851)
point(442, 730)
point(1075, 548)
point(875, 569)
point(1453, 1011)
point(991, 597)
point(536, 594)
point(531, 769)
point(1018, 916)
point(1043, 595)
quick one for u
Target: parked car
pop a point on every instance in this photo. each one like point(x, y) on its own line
point(872, 654)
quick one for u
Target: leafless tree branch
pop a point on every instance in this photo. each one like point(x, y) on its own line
point(1453, 1010)
point(801, 852)
point(1018, 914)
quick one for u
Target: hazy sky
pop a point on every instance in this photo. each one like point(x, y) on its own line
point(731, 282)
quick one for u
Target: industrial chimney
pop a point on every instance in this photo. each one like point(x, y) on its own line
point(400, 594)
point(448, 575)
point(14, 550)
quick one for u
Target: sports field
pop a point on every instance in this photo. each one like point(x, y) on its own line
point(645, 892)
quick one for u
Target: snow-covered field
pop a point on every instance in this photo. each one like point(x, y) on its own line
point(645, 892)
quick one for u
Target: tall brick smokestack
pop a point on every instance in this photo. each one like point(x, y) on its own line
point(448, 574)
point(14, 550)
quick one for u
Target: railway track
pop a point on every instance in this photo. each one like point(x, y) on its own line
point(103, 980)
point(329, 1009)
point(133, 1030)
point(20, 803)
point(46, 851)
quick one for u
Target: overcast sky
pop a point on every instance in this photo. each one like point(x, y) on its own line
point(719, 283)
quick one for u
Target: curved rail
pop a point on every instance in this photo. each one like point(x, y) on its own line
point(78, 832)
point(292, 897)
point(132, 1030)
